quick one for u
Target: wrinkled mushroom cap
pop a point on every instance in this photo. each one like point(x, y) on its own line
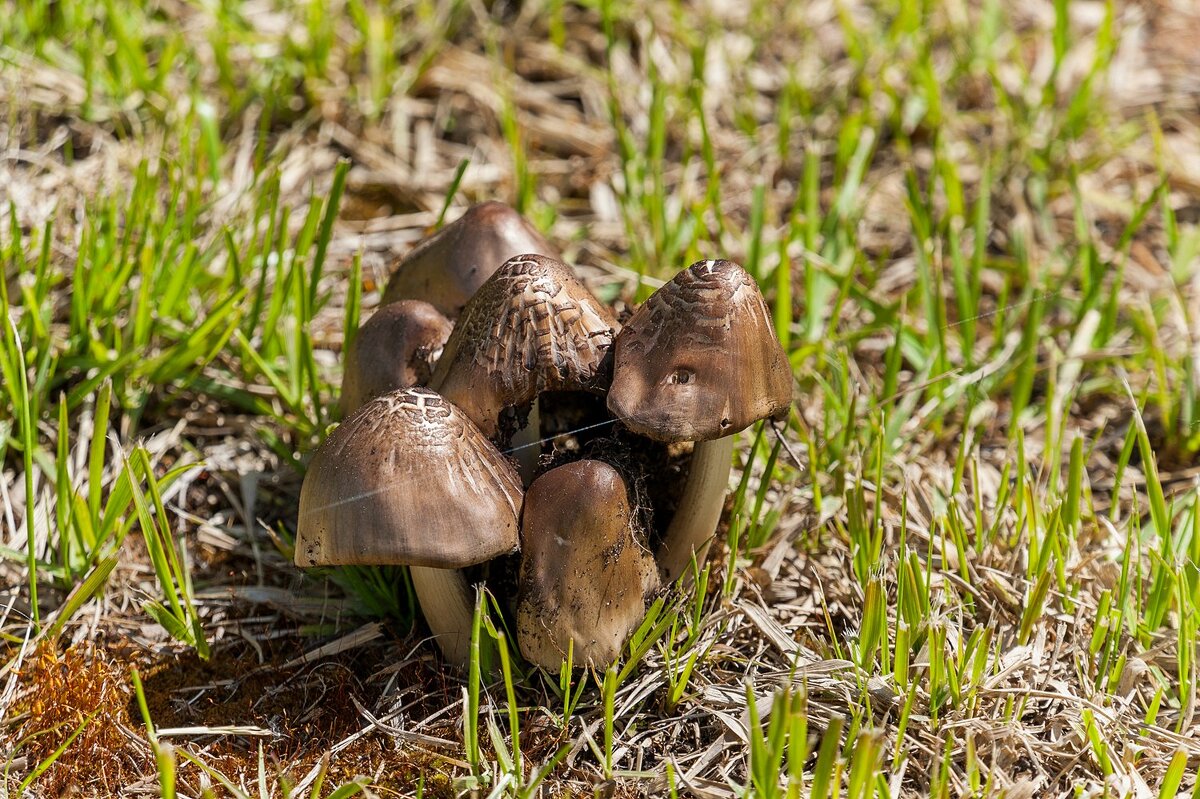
point(532, 327)
point(584, 575)
point(396, 348)
point(449, 267)
point(407, 479)
point(700, 360)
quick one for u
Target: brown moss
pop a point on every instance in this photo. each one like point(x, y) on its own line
point(62, 692)
point(310, 709)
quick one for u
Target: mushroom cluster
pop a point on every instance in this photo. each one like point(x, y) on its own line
point(448, 391)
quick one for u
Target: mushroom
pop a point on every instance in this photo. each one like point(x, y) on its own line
point(396, 348)
point(584, 575)
point(447, 268)
point(699, 361)
point(409, 480)
point(532, 327)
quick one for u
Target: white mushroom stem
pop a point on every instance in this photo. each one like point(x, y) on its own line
point(695, 522)
point(448, 603)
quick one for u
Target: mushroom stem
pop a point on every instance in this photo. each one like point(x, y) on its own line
point(695, 522)
point(447, 602)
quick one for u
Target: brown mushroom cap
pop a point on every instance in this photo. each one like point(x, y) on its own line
point(396, 348)
point(584, 575)
point(531, 327)
point(700, 359)
point(449, 267)
point(407, 479)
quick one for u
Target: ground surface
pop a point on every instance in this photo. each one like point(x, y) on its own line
point(972, 570)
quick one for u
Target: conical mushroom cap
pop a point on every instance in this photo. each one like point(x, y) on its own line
point(396, 348)
point(447, 269)
point(584, 575)
point(700, 360)
point(532, 327)
point(407, 479)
